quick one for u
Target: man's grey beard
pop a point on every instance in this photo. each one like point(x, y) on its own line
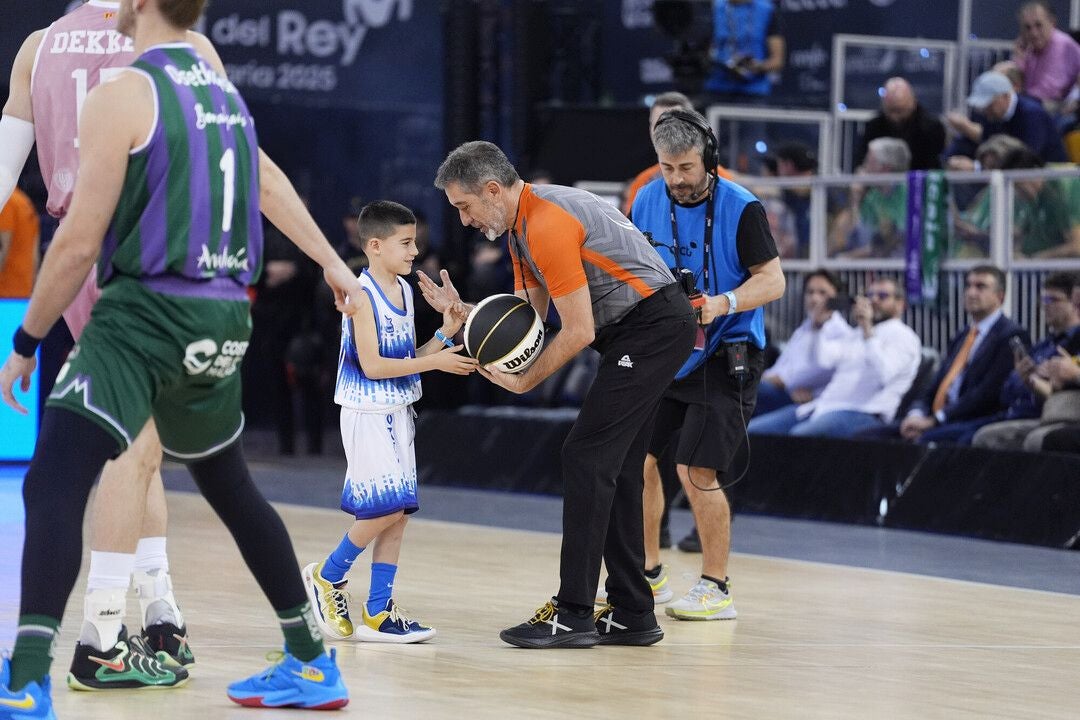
point(491, 235)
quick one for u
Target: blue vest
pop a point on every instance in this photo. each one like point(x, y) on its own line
point(740, 30)
point(651, 213)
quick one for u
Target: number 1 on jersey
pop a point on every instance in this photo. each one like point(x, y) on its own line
point(228, 169)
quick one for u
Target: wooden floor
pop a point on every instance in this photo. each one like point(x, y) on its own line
point(811, 641)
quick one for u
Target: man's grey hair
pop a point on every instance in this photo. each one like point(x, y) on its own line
point(474, 164)
point(893, 153)
point(673, 99)
point(676, 136)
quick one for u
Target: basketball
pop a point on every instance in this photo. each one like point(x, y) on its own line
point(504, 331)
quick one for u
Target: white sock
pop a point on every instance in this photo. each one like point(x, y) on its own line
point(105, 603)
point(150, 555)
point(156, 601)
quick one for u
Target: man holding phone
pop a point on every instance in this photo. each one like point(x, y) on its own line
point(874, 365)
point(1031, 381)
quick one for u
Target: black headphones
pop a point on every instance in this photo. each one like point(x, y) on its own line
point(711, 155)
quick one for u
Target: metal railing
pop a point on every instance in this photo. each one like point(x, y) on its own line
point(935, 323)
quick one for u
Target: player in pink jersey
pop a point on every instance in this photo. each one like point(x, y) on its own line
point(54, 70)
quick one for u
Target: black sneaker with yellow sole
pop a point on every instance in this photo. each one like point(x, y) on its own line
point(127, 665)
point(553, 627)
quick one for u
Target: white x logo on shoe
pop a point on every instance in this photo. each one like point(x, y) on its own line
point(556, 625)
point(609, 622)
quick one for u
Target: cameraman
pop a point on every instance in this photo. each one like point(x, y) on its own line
point(714, 236)
point(748, 50)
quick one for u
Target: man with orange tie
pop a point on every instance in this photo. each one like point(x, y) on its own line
point(966, 392)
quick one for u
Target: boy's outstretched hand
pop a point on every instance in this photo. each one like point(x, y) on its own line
point(439, 297)
point(449, 360)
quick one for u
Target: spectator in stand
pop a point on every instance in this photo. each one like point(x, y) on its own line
point(1029, 385)
point(794, 160)
point(20, 234)
point(1048, 57)
point(874, 365)
point(350, 248)
point(1016, 76)
point(903, 117)
point(972, 226)
point(1046, 221)
point(875, 224)
point(748, 50)
point(998, 109)
point(797, 377)
point(662, 103)
point(965, 394)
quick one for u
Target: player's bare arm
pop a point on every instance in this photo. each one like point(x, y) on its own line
point(283, 207)
point(116, 118)
point(377, 367)
point(17, 123)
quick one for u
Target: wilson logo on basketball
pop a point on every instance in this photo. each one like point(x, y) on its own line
point(513, 363)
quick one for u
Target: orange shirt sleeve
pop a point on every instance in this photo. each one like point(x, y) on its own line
point(555, 241)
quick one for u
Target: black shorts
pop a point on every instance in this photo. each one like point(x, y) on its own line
point(701, 412)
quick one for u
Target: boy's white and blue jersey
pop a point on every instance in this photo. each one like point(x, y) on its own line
point(377, 428)
point(652, 213)
point(396, 329)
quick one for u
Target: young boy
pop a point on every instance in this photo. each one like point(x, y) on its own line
point(377, 382)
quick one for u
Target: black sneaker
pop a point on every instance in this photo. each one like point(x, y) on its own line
point(553, 626)
point(127, 665)
point(169, 644)
point(691, 543)
point(619, 627)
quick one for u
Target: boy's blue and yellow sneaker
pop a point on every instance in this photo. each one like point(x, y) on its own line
point(289, 683)
point(33, 702)
point(390, 626)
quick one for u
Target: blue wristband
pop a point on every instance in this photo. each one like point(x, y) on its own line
point(443, 339)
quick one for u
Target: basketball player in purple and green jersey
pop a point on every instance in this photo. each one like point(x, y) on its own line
point(168, 196)
point(378, 380)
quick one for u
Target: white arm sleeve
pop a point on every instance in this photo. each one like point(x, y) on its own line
point(16, 140)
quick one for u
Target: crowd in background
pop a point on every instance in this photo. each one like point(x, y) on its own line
point(1023, 115)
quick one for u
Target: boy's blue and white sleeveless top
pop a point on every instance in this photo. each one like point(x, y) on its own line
point(397, 339)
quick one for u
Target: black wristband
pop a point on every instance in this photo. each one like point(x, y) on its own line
point(24, 343)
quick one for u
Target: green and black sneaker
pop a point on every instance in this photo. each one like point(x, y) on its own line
point(128, 665)
point(170, 644)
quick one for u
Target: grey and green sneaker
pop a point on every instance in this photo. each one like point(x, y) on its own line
point(127, 665)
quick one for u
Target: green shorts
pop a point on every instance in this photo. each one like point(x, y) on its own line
point(174, 358)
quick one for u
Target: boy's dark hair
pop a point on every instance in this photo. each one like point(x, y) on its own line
point(1063, 281)
point(379, 219)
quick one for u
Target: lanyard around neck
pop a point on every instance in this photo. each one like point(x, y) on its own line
point(706, 241)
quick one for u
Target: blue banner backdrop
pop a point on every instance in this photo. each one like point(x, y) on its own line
point(347, 94)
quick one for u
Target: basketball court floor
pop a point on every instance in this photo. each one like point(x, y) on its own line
point(834, 621)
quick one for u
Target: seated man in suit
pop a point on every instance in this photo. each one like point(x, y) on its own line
point(966, 391)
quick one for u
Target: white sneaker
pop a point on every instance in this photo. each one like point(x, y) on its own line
point(661, 589)
point(705, 601)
